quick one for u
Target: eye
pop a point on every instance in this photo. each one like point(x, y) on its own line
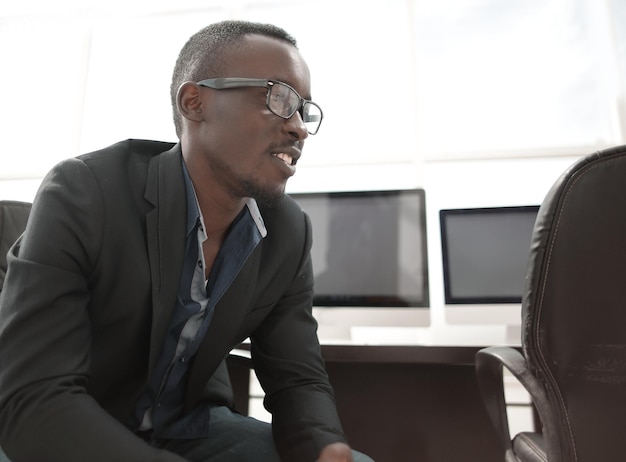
point(279, 95)
point(283, 100)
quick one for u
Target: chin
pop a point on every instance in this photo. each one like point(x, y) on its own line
point(270, 201)
point(266, 196)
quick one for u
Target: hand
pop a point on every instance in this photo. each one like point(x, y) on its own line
point(336, 452)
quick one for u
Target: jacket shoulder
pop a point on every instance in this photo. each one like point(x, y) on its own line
point(129, 148)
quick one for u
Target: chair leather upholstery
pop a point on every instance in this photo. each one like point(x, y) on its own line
point(573, 321)
point(530, 447)
point(13, 219)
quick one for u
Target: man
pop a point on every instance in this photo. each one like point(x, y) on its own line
point(144, 264)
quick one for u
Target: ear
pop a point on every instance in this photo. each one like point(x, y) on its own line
point(189, 101)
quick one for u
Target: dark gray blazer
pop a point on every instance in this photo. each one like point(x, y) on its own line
point(87, 300)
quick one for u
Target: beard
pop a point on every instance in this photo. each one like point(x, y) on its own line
point(264, 195)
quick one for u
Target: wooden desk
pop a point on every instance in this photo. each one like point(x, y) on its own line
point(411, 403)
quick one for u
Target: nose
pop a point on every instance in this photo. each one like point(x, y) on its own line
point(296, 127)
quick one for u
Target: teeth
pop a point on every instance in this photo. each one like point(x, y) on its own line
point(285, 158)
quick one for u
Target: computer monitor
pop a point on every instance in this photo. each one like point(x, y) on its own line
point(369, 258)
point(485, 256)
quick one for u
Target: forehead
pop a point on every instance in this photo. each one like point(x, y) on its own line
point(259, 56)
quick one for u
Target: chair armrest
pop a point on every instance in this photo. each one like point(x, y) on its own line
point(490, 363)
point(239, 363)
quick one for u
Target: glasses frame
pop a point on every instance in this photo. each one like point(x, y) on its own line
point(222, 83)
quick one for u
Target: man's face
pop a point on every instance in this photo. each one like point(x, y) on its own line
point(249, 151)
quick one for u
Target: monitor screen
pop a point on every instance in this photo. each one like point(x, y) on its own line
point(485, 253)
point(369, 248)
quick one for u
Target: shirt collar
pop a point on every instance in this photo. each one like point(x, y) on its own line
point(255, 213)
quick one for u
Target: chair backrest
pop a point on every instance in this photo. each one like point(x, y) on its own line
point(574, 310)
point(13, 218)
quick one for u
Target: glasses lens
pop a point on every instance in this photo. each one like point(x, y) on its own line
point(283, 101)
point(312, 117)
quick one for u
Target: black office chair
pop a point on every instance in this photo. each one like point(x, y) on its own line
point(574, 322)
point(13, 218)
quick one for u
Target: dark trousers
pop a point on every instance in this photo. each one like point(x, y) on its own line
point(234, 438)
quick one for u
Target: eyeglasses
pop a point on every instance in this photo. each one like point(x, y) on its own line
point(282, 100)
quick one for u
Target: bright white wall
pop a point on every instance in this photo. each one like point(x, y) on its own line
point(481, 102)
point(86, 76)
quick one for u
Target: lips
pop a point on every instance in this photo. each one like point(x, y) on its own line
point(289, 154)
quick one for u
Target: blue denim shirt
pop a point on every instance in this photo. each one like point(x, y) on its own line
point(160, 406)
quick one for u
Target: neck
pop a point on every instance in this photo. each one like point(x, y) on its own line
point(218, 206)
point(218, 214)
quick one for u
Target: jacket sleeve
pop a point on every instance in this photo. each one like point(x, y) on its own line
point(288, 362)
point(46, 412)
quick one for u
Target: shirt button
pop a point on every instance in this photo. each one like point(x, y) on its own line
point(184, 359)
point(200, 263)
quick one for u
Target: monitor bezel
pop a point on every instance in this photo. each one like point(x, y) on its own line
point(451, 299)
point(383, 301)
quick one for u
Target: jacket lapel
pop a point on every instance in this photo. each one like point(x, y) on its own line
point(165, 229)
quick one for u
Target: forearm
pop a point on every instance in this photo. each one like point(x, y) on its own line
point(41, 424)
point(298, 393)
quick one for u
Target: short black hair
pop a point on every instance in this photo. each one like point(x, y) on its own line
point(203, 56)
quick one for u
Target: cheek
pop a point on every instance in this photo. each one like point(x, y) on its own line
point(244, 133)
point(244, 150)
